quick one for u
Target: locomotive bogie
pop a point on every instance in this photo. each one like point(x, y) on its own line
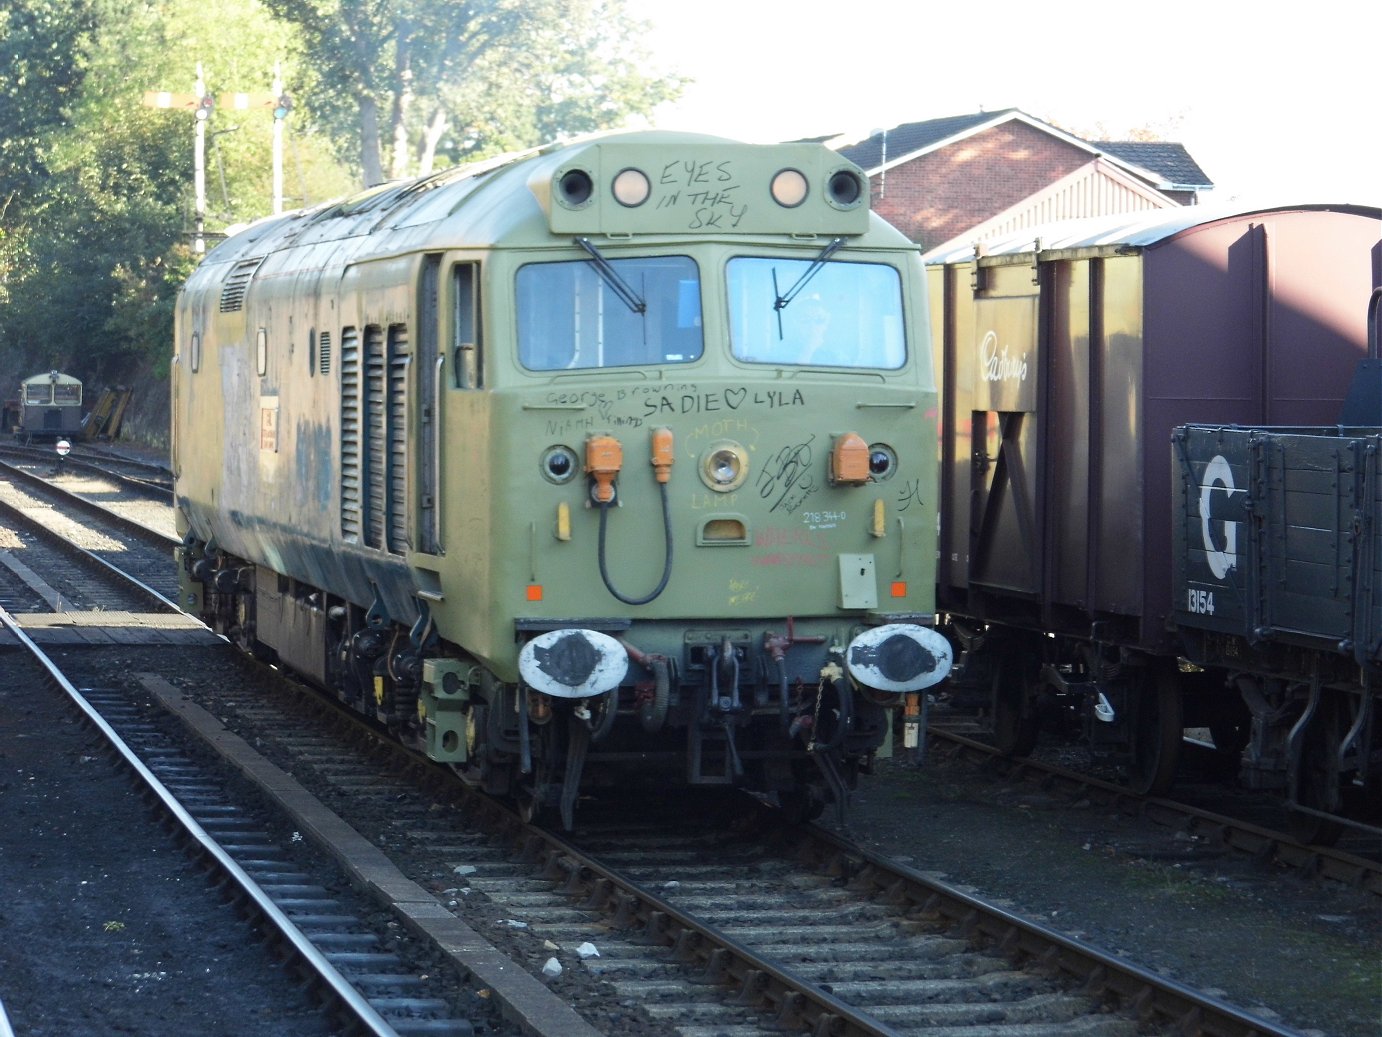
point(540, 483)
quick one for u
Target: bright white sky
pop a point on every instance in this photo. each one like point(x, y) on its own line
point(1274, 103)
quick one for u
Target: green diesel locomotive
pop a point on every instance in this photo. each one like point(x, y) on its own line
point(610, 463)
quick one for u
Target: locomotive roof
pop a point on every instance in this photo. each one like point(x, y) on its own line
point(1133, 230)
point(516, 199)
point(54, 377)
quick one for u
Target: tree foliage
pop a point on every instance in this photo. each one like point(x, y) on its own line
point(422, 78)
point(39, 45)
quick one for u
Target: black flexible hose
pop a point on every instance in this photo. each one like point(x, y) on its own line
point(667, 564)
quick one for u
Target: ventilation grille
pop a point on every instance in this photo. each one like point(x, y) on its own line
point(376, 437)
point(398, 439)
point(237, 284)
point(324, 352)
point(351, 475)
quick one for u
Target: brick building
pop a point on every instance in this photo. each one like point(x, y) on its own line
point(968, 177)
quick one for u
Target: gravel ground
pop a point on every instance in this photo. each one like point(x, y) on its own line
point(1301, 952)
point(103, 920)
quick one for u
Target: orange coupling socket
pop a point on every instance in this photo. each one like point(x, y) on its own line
point(849, 460)
point(662, 453)
point(604, 457)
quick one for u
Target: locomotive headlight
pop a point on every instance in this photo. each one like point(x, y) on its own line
point(882, 461)
point(724, 466)
point(789, 188)
point(631, 187)
point(560, 464)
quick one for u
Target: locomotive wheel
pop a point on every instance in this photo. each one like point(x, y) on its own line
point(1157, 733)
point(1015, 724)
point(801, 804)
point(1317, 780)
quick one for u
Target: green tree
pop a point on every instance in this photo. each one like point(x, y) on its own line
point(464, 79)
point(93, 261)
point(40, 43)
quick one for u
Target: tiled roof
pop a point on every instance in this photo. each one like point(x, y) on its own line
point(1167, 160)
point(915, 136)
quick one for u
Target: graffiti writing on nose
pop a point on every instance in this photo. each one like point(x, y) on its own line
point(785, 478)
point(723, 400)
point(707, 193)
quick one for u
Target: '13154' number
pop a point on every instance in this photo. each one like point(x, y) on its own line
point(1201, 602)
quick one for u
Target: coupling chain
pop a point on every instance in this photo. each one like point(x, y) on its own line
point(829, 672)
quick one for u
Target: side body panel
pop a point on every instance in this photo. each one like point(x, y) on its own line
point(1249, 320)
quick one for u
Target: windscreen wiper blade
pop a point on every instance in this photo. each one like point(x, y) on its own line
point(611, 277)
point(782, 299)
point(810, 272)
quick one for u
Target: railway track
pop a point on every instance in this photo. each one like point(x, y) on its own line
point(146, 479)
point(689, 926)
point(1357, 862)
point(711, 928)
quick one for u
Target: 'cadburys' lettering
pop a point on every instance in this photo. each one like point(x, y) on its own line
point(996, 365)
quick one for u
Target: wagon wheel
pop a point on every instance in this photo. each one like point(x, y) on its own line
point(531, 791)
point(1015, 723)
point(1231, 736)
point(528, 804)
point(1317, 780)
point(1158, 728)
point(244, 634)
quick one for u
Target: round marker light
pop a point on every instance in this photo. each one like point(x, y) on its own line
point(789, 188)
point(631, 187)
point(560, 464)
point(724, 467)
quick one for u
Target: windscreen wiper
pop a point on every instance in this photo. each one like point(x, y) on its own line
point(783, 298)
point(611, 277)
point(811, 271)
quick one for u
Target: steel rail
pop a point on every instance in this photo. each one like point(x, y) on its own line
point(43, 532)
point(760, 982)
point(129, 525)
point(1152, 997)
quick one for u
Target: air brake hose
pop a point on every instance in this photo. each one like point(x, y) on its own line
point(667, 563)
